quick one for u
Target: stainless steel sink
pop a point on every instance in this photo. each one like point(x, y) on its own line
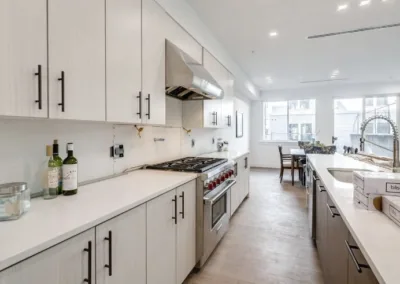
point(344, 175)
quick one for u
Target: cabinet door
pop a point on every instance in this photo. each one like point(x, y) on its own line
point(321, 223)
point(228, 103)
point(125, 238)
point(65, 263)
point(161, 239)
point(246, 177)
point(186, 235)
point(336, 252)
point(123, 57)
point(77, 59)
point(23, 51)
point(365, 275)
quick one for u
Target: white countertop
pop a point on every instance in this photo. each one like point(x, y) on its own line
point(376, 235)
point(230, 155)
point(52, 221)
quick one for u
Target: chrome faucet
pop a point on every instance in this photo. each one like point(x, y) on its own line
point(396, 163)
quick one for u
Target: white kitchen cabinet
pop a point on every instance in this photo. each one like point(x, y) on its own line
point(171, 235)
point(76, 33)
point(228, 103)
point(157, 26)
point(186, 235)
point(23, 57)
point(241, 189)
point(235, 191)
point(161, 239)
point(65, 263)
point(123, 57)
point(125, 237)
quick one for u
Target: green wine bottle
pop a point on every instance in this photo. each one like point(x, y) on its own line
point(59, 163)
point(70, 172)
point(51, 186)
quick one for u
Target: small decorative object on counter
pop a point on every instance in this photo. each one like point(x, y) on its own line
point(59, 163)
point(371, 202)
point(70, 172)
point(50, 186)
point(391, 208)
point(15, 200)
point(381, 183)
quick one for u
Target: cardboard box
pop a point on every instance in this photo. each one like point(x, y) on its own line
point(391, 208)
point(372, 202)
point(380, 183)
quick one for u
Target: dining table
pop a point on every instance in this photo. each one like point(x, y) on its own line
point(297, 154)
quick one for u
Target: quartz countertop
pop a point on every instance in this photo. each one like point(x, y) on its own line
point(230, 155)
point(376, 235)
point(50, 222)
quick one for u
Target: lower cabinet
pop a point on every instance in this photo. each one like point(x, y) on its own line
point(171, 235)
point(71, 261)
point(321, 225)
point(121, 248)
point(241, 189)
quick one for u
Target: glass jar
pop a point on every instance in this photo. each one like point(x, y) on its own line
point(15, 200)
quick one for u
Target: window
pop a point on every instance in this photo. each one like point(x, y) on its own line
point(350, 113)
point(289, 120)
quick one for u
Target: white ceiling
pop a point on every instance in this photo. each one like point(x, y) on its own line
point(243, 27)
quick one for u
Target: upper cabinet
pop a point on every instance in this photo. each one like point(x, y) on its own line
point(212, 113)
point(123, 57)
point(157, 26)
point(23, 57)
point(77, 59)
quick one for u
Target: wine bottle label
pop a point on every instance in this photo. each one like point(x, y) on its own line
point(70, 177)
point(52, 177)
point(59, 175)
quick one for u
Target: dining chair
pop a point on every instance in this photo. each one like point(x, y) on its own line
point(286, 162)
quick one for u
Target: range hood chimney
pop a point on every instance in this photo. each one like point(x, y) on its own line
point(187, 79)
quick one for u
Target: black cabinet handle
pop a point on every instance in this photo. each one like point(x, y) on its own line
point(330, 210)
point(183, 205)
point(216, 118)
point(109, 265)
point(229, 120)
point(176, 210)
point(315, 178)
point(148, 104)
point(140, 105)
point(214, 114)
point(322, 189)
point(62, 80)
point(353, 257)
point(89, 251)
point(39, 74)
point(245, 163)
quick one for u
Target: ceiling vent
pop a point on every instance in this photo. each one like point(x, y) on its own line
point(323, 81)
point(354, 31)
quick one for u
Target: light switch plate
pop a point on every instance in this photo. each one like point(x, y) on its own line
point(117, 151)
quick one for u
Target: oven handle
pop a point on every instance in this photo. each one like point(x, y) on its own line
point(211, 201)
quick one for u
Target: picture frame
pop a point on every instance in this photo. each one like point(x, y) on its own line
point(239, 124)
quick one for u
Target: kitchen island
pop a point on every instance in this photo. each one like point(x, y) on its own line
point(375, 234)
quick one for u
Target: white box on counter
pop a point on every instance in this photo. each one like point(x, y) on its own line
point(377, 182)
point(372, 202)
point(391, 208)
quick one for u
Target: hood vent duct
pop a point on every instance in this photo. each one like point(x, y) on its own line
point(186, 79)
point(354, 31)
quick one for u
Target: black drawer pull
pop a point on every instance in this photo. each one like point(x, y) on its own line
point(216, 118)
point(89, 251)
point(39, 74)
point(353, 257)
point(62, 80)
point(183, 205)
point(140, 105)
point(322, 189)
point(149, 105)
point(330, 210)
point(176, 210)
point(109, 265)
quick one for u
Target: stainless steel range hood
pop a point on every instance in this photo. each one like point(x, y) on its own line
point(187, 79)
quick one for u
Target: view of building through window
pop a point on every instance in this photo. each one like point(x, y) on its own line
point(289, 120)
point(350, 113)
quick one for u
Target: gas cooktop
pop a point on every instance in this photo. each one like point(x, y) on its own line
point(189, 164)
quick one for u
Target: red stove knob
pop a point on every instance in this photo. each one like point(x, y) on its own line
point(210, 186)
point(231, 172)
point(214, 183)
point(222, 178)
point(227, 175)
point(218, 181)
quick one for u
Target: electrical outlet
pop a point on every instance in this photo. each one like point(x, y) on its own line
point(117, 151)
point(193, 143)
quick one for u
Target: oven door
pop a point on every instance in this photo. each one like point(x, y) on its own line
point(217, 211)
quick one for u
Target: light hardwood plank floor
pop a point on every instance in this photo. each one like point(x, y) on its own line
point(268, 241)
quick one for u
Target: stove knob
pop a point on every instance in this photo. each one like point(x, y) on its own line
point(227, 175)
point(222, 178)
point(214, 183)
point(231, 172)
point(218, 181)
point(210, 186)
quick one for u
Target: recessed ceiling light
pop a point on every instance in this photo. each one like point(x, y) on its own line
point(365, 3)
point(269, 80)
point(273, 34)
point(343, 7)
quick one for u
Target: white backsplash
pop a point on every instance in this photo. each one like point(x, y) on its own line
point(23, 143)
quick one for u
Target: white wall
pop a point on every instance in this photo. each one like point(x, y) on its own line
point(265, 154)
point(23, 143)
point(187, 17)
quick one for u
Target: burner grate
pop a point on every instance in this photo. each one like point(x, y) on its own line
point(189, 164)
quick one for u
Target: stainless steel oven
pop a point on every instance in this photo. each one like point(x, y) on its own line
point(217, 212)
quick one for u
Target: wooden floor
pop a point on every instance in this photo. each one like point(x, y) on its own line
point(268, 241)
